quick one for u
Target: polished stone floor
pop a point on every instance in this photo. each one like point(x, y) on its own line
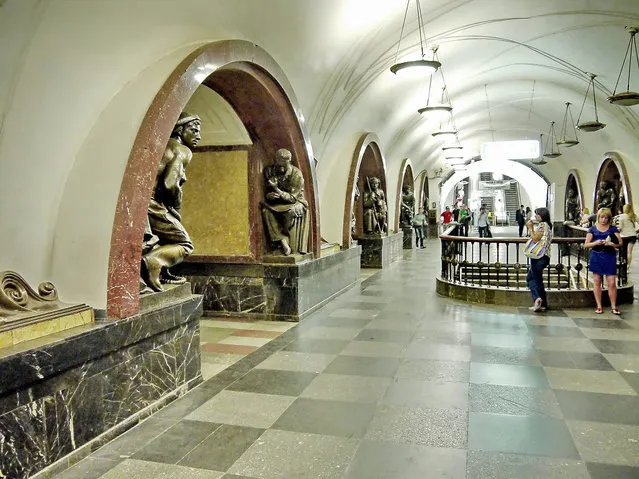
point(392, 381)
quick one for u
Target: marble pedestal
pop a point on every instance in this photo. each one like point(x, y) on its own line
point(409, 237)
point(381, 251)
point(272, 290)
point(60, 392)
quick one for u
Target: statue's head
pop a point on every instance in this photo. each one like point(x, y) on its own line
point(571, 193)
point(283, 159)
point(408, 189)
point(603, 184)
point(187, 129)
point(374, 182)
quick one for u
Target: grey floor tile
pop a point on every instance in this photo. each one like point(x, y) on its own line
point(497, 465)
point(627, 363)
point(433, 370)
point(334, 321)
point(222, 448)
point(514, 400)
point(374, 349)
point(363, 366)
point(610, 443)
point(268, 381)
point(565, 344)
point(533, 435)
point(384, 335)
point(285, 454)
point(610, 382)
point(610, 471)
point(574, 360)
point(502, 340)
point(295, 361)
point(442, 337)
point(427, 394)
point(385, 460)
point(89, 468)
point(242, 409)
point(597, 407)
point(513, 356)
point(443, 352)
point(340, 387)
point(176, 442)
point(616, 347)
point(310, 345)
point(508, 375)
point(335, 418)
point(632, 380)
point(329, 332)
point(235, 476)
point(395, 324)
point(135, 469)
point(134, 439)
point(357, 313)
point(427, 427)
point(601, 323)
point(555, 331)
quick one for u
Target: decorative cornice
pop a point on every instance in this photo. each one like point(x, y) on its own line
point(16, 296)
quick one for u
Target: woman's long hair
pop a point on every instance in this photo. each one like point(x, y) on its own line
point(629, 210)
point(544, 214)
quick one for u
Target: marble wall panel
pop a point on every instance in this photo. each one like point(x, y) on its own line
point(409, 235)
point(231, 294)
point(139, 362)
point(380, 252)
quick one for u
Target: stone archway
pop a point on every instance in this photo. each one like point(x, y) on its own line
point(406, 178)
point(252, 82)
point(368, 160)
point(613, 171)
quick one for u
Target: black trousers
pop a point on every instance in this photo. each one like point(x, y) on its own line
point(521, 228)
point(419, 236)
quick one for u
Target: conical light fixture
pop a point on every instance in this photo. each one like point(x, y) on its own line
point(423, 66)
point(444, 106)
point(627, 98)
point(563, 139)
point(552, 141)
point(541, 160)
point(448, 130)
point(590, 125)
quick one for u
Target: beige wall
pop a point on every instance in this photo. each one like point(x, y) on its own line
point(215, 208)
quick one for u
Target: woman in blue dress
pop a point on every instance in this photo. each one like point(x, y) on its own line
point(604, 239)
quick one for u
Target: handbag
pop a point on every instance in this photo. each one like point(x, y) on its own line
point(535, 250)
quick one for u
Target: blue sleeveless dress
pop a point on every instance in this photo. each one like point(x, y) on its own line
point(603, 259)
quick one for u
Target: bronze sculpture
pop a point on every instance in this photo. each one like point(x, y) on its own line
point(407, 207)
point(285, 210)
point(166, 241)
point(356, 195)
point(606, 196)
point(572, 211)
point(375, 209)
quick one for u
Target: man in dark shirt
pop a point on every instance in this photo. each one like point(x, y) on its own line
point(520, 217)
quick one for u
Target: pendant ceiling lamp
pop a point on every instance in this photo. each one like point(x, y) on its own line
point(552, 141)
point(422, 66)
point(627, 98)
point(563, 139)
point(446, 130)
point(541, 160)
point(443, 107)
point(595, 125)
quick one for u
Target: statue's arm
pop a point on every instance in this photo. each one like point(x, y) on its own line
point(174, 178)
point(296, 192)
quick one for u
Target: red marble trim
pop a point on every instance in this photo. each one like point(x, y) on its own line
point(367, 148)
point(148, 147)
point(405, 173)
point(574, 176)
point(253, 333)
point(207, 148)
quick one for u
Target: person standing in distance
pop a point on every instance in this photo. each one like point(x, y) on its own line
point(535, 278)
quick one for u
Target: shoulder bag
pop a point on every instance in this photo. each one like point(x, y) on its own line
point(535, 250)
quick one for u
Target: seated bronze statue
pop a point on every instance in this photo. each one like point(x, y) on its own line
point(375, 209)
point(285, 210)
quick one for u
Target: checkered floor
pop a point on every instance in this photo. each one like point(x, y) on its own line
point(392, 381)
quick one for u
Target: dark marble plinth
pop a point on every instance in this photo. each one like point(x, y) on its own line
point(381, 251)
point(276, 291)
point(409, 236)
point(60, 392)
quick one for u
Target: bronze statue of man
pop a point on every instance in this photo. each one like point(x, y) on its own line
point(166, 242)
point(606, 196)
point(572, 211)
point(285, 210)
point(375, 209)
point(407, 206)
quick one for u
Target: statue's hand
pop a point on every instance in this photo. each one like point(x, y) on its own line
point(272, 182)
point(272, 196)
point(298, 210)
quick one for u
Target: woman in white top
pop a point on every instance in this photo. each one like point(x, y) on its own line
point(535, 276)
point(627, 225)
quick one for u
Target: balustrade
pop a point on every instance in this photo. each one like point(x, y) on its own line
point(500, 262)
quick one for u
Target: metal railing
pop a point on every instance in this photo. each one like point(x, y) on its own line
point(500, 262)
